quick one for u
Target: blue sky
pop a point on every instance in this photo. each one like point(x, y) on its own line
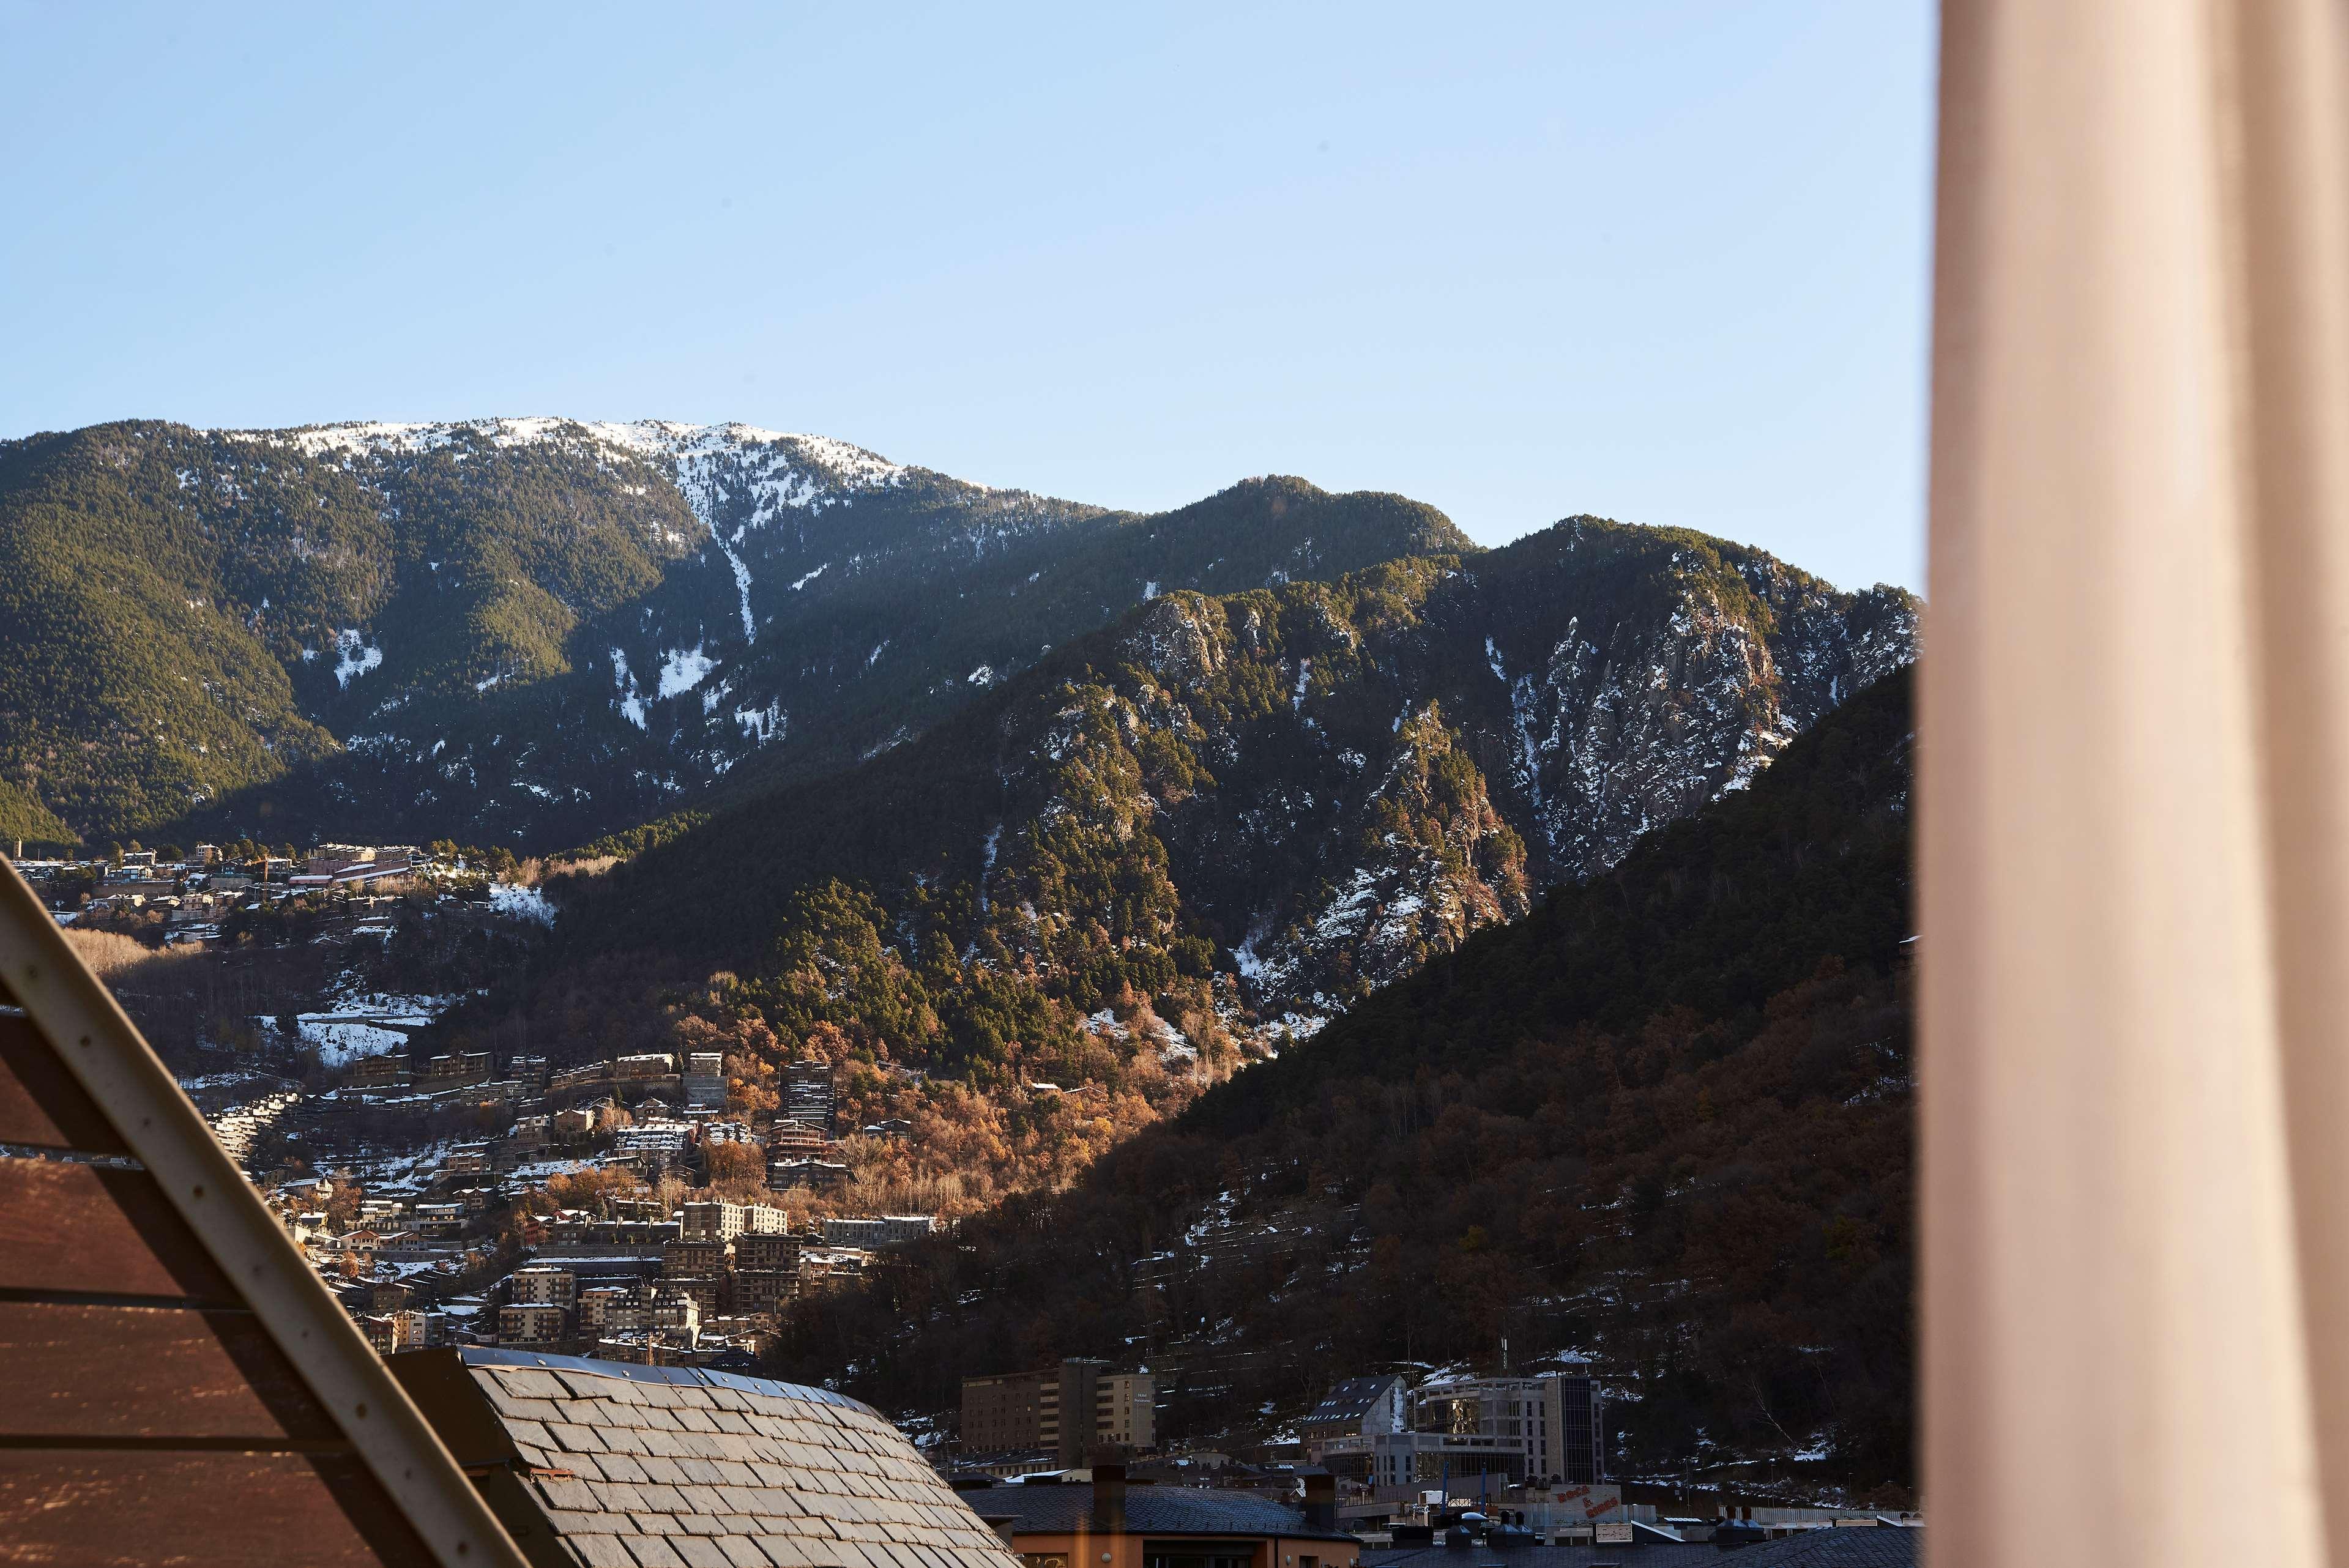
point(1663, 262)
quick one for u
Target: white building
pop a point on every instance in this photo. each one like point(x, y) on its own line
point(878, 1230)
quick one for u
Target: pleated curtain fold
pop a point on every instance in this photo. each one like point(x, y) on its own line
point(2134, 793)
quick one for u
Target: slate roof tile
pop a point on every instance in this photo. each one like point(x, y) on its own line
point(568, 1524)
point(527, 1383)
point(562, 1492)
point(652, 1552)
point(620, 1467)
point(601, 1551)
point(620, 1496)
point(575, 1437)
point(741, 1550)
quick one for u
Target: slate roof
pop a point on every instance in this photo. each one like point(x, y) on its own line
point(1067, 1507)
point(621, 1466)
point(1351, 1400)
point(1883, 1547)
point(1640, 1554)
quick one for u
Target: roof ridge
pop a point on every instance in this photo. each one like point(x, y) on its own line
point(637, 1372)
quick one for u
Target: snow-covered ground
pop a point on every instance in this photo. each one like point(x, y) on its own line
point(521, 902)
point(341, 1041)
point(357, 1024)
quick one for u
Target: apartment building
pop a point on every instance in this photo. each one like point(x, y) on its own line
point(705, 1081)
point(1557, 1418)
point(1126, 1412)
point(808, 1096)
point(530, 1323)
point(813, 1174)
point(724, 1221)
point(789, 1139)
point(1066, 1410)
point(878, 1230)
point(538, 1285)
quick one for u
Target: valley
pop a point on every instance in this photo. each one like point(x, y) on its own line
point(1230, 923)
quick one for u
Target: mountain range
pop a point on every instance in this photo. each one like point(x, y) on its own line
point(1291, 796)
point(532, 632)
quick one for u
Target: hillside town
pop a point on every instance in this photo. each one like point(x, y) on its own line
point(621, 1211)
point(174, 896)
point(579, 1218)
point(1394, 1460)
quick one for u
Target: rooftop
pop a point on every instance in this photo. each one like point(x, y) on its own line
point(1351, 1400)
point(1067, 1507)
point(672, 1467)
point(1884, 1546)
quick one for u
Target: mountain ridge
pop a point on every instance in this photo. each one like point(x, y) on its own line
point(1247, 811)
point(535, 631)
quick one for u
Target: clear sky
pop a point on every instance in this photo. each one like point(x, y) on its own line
point(1664, 262)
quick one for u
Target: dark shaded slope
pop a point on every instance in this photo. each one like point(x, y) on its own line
point(1716, 913)
point(1663, 1121)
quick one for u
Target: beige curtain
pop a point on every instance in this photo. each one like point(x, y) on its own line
point(2134, 848)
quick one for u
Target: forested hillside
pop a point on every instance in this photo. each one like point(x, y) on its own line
point(534, 631)
point(1662, 1121)
point(1181, 844)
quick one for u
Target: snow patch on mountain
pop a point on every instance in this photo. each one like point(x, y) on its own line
point(521, 902)
point(354, 656)
point(683, 669)
point(631, 705)
point(762, 724)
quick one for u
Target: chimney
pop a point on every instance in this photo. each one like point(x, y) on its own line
point(1109, 1500)
point(1321, 1502)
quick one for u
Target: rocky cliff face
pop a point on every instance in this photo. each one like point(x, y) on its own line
point(1619, 723)
point(1443, 739)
